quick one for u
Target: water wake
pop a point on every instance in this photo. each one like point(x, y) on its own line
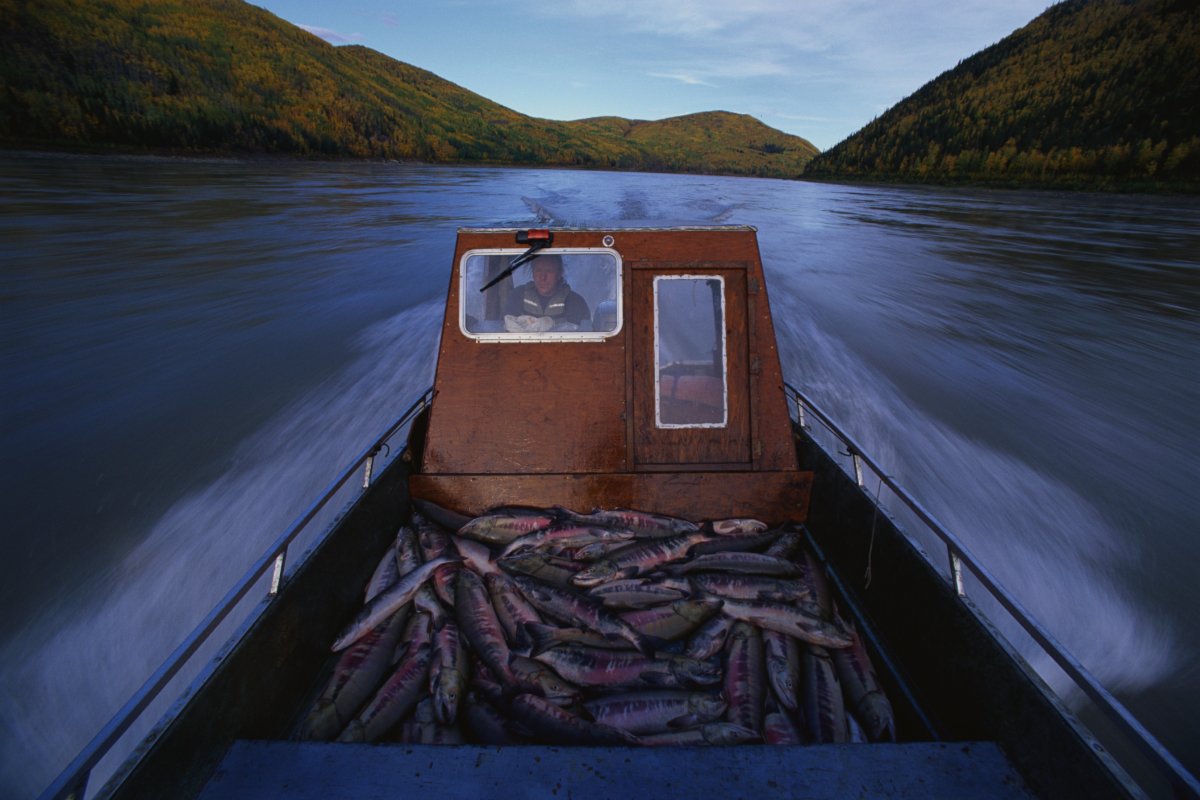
point(74, 668)
point(1047, 545)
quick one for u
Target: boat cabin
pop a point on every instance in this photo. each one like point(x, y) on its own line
point(641, 373)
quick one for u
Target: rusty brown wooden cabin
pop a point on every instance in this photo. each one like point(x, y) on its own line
point(573, 422)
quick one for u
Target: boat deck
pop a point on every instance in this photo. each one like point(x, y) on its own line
point(265, 770)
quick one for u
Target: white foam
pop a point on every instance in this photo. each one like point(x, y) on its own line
point(78, 666)
point(1047, 545)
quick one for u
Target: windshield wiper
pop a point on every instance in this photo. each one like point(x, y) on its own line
point(537, 239)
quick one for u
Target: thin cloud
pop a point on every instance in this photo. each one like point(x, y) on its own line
point(682, 77)
point(332, 36)
point(714, 73)
point(908, 42)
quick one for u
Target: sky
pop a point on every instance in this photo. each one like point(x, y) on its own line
point(820, 69)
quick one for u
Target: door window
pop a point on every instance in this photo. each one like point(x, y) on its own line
point(690, 366)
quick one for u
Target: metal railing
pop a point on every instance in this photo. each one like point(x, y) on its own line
point(71, 784)
point(959, 556)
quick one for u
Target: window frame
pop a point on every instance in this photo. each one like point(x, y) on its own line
point(657, 377)
point(543, 337)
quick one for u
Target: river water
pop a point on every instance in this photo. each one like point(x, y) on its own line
point(191, 349)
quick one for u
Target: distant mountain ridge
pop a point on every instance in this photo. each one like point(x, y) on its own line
point(222, 76)
point(1092, 93)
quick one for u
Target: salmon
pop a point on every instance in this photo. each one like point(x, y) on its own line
point(862, 691)
point(656, 711)
point(744, 677)
point(401, 692)
point(789, 619)
point(387, 602)
point(674, 621)
point(557, 725)
point(477, 619)
point(500, 529)
point(592, 667)
point(782, 654)
point(582, 611)
point(824, 706)
point(512, 609)
point(359, 671)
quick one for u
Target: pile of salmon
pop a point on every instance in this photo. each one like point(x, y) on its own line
point(536, 626)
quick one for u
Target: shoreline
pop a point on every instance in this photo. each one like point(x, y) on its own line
point(1156, 189)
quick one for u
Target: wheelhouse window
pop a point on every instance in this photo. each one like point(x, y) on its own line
point(562, 294)
point(689, 352)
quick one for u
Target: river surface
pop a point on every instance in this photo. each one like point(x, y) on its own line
point(191, 349)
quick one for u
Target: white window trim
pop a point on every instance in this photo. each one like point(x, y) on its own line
point(547, 336)
point(724, 423)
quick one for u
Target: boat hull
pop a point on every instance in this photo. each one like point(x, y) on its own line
point(968, 681)
point(968, 685)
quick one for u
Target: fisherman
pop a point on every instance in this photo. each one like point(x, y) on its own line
point(548, 295)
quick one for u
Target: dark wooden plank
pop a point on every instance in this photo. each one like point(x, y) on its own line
point(300, 771)
point(770, 496)
point(538, 407)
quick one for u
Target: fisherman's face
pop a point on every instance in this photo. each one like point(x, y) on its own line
point(545, 278)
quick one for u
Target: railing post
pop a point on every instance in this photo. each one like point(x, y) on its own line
point(367, 471)
point(277, 576)
point(858, 476)
point(956, 572)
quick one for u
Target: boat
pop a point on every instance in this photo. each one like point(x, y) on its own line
point(657, 387)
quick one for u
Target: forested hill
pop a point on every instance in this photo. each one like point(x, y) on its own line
point(222, 76)
point(1092, 93)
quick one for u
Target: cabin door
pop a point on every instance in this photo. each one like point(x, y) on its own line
point(689, 359)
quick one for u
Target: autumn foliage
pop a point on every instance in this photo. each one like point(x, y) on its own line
point(1092, 93)
point(205, 76)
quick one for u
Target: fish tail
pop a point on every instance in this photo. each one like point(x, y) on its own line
point(539, 636)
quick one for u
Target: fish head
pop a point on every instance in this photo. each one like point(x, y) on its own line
point(408, 557)
point(738, 527)
point(784, 685)
point(322, 723)
point(446, 693)
point(523, 563)
point(707, 706)
point(698, 609)
point(555, 689)
point(596, 574)
point(591, 551)
point(877, 718)
point(682, 526)
point(693, 672)
point(477, 555)
point(433, 542)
